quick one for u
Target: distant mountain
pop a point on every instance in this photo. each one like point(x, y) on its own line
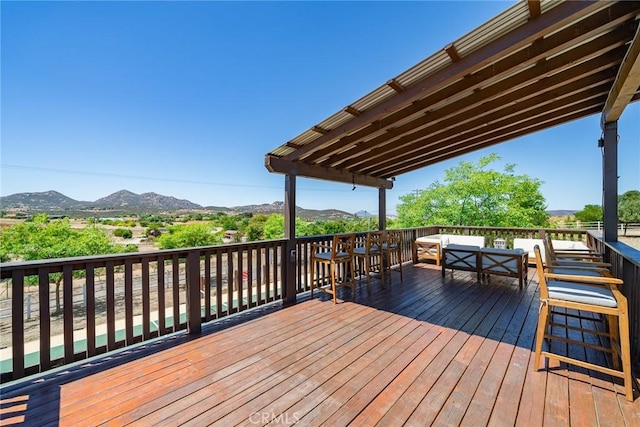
point(365, 214)
point(561, 213)
point(124, 202)
point(278, 207)
point(125, 199)
point(44, 201)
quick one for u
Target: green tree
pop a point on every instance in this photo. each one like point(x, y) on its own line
point(274, 227)
point(589, 213)
point(629, 208)
point(43, 239)
point(473, 194)
point(308, 228)
point(188, 236)
point(255, 228)
point(334, 227)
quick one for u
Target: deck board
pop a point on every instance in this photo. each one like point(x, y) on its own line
point(419, 352)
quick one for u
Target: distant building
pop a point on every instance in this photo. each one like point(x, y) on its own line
point(231, 236)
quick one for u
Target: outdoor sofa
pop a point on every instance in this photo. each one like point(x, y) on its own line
point(430, 247)
point(528, 244)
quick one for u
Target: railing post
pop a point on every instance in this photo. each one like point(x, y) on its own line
point(610, 180)
point(290, 256)
point(194, 320)
point(382, 209)
point(17, 323)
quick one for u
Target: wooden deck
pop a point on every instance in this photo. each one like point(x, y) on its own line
point(420, 352)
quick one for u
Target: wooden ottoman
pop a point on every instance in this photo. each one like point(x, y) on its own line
point(504, 262)
point(461, 257)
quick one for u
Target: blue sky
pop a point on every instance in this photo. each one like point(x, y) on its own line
point(185, 98)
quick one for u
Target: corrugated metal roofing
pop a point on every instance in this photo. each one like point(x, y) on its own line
point(536, 65)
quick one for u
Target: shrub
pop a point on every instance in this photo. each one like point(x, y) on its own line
point(125, 233)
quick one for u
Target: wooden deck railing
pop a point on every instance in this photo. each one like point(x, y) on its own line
point(625, 265)
point(110, 302)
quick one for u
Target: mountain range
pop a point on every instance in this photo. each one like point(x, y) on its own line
point(124, 201)
point(127, 202)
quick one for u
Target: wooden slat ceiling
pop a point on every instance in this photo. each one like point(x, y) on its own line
point(536, 65)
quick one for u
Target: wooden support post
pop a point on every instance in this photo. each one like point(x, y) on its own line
point(610, 181)
point(194, 321)
point(382, 209)
point(290, 256)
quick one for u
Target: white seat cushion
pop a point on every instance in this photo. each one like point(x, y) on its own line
point(455, 247)
point(576, 272)
point(499, 251)
point(360, 250)
point(578, 292)
point(431, 239)
point(456, 239)
point(327, 255)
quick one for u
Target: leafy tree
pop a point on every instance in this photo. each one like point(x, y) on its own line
point(237, 222)
point(629, 208)
point(150, 220)
point(589, 213)
point(193, 217)
point(334, 227)
point(274, 227)
point(43, 239)
point(308, 228)
point(357, 224)
point(255, 228)
point(472, 194)
point(187, 236)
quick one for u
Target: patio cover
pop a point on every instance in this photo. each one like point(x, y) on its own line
point(536, 65)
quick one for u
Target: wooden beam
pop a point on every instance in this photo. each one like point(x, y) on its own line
point(534, 8)
point(401, 161)
point(353, 111)
point(626, 84)
point(280, 165)
point(320, 130)
point(548, 22)
point(452, 52)
point(459, 147)
point(393, 84)
point(485, 141)
point(456, 150)
point(475, 120)
point(509, 93)
point(593, 26)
